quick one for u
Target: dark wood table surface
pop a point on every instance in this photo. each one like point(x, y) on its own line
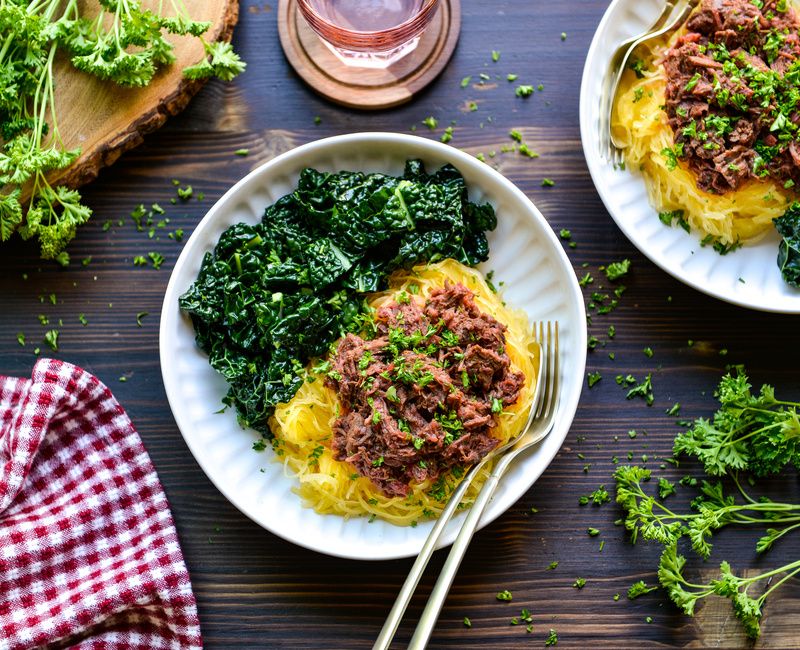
point(256, 591)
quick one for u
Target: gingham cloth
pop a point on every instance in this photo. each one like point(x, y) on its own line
point(89, 557)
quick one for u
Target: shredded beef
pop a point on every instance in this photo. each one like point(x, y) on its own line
point(423, 396)
point(731, 88)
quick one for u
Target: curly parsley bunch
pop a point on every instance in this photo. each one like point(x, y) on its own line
point(124, 43)
point(750, 432)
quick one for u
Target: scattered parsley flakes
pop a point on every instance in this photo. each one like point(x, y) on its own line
point(639, 589)
point(465, 81)
point(579, 583)
point(524, 91)
point(665, 488)
point(600, 496)
point(21, 339)
point(648, 352)
point(552, 565)
point(592, 378)
point(140, 316)
point(467, 622)
point(592, 532)
point(447, 135)
point(241, 152)
point(565, 234)
point(431, 122)
point(511, 77)
point(552, 638)
point(495, 55)
point(616, 270)
point(185, 193)
point(157, 259)
point(643, 390)
point(51, 338)
point(548, 182)
point(505, 595)
point(563, 36)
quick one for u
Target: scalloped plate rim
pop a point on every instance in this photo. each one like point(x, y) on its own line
point(572, 381)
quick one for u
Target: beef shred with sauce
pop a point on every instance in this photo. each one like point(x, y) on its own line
point(732, 93)
point(421, 396)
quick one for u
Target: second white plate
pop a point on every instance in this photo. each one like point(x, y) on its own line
point(748, 276)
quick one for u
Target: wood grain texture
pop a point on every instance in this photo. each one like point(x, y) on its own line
point(104, 120)
point(255, 590)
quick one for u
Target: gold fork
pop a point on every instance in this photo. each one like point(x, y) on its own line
point(539, 425)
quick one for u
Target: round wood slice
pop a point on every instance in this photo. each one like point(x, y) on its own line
point(103, 119)
point(365, 87)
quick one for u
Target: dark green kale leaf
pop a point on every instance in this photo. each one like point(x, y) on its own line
point(273, 295)
point(788, 226)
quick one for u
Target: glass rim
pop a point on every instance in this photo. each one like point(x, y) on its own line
point(306, 7)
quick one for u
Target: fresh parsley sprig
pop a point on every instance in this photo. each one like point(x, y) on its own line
point(757, 433)
point(124, 43)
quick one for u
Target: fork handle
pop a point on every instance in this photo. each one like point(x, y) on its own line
point(407, 590)
point(430, 615)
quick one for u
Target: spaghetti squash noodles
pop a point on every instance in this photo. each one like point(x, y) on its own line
point(304, 427)
point(641, 123)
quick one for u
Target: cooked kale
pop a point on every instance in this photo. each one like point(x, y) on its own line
point(271, 296)
point(788, 227)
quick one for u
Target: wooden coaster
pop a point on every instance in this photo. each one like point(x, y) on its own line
point(365, 87)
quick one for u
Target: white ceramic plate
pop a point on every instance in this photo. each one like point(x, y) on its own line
point(524, 253)
point(624, 194)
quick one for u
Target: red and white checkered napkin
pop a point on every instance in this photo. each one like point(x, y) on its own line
point(89, 557)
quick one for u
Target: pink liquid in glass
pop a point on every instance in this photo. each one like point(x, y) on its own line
point(366, 15)
point(368, 33)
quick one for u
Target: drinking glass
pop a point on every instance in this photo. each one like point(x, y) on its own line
point(369, 33)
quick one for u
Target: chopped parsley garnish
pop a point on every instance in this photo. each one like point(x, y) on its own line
point(639, 589)
point(51, 338)
point(505, 595)
point(593, 377)
point(616, 270)
point(431, 122)
point(643, 390)
point(524, 91)
point(665, 488)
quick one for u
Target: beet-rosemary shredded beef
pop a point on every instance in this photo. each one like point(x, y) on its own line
point(423, 395)
point(732, 93)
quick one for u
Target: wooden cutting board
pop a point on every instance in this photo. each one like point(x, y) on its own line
point(104, 119)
